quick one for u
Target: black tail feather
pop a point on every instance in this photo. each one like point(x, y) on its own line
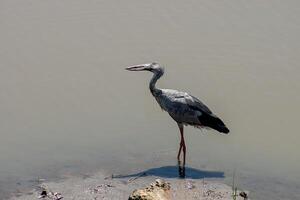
point(213, 122)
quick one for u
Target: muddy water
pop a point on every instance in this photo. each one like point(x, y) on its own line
point(67, 104)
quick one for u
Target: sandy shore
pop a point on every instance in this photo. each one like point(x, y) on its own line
point(102, 187)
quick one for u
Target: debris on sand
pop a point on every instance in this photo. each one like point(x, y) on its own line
point(101, 188)
point(244, 195)
point(159, 190)
point(190, 185)
point(51, 195)
point(43, 194)
point(140, 187)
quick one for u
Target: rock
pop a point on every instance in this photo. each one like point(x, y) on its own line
point(43, 194)
point(159, 190)
point(244, 195)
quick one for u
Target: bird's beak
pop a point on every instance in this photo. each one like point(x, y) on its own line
point(141, 67)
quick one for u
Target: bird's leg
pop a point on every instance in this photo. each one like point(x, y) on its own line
point(179, 152)
point(182, 145)
point(181, 169)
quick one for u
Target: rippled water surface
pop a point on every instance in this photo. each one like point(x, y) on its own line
point(67, 104)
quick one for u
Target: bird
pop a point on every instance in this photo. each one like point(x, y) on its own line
point(184, 108)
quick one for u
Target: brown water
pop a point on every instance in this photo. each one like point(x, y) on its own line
point(67, 103)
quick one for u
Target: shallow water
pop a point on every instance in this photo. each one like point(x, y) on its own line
point(67, 104)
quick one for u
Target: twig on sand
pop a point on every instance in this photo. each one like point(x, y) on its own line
point(138, 176)
point(109, 177)
point(123, 176)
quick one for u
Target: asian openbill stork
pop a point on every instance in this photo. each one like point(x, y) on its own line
point(184, 108)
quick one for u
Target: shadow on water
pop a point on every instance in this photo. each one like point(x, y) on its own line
point(175, 172)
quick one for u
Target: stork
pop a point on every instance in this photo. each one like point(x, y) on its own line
point(184, 108)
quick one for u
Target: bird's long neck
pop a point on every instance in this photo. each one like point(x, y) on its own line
point(152, 85)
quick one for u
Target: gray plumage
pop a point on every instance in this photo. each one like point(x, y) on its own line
point(184, 108)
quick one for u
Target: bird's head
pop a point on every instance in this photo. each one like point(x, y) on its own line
point(152, 67)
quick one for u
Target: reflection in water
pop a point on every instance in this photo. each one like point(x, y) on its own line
point(181, 170)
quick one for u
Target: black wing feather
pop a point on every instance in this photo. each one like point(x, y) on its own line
point(208, 118)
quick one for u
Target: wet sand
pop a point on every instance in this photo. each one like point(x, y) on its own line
point(100, 186)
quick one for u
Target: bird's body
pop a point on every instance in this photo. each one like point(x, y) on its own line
point(188, 110)
point(176, 103)
point(184, 108)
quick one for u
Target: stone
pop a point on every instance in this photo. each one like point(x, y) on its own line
point(159, 190)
